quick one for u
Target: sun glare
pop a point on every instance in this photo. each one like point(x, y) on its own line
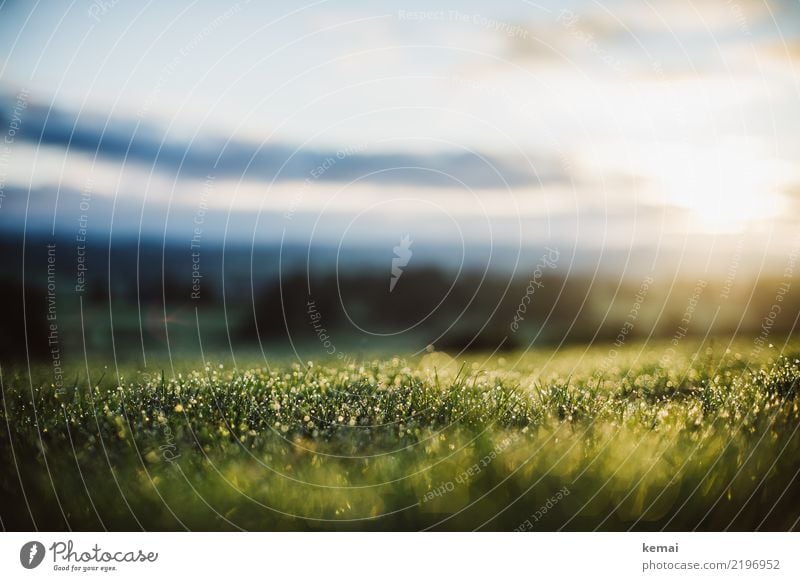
point(724, 189)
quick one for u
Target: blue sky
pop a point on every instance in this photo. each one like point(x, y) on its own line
point(583, 124)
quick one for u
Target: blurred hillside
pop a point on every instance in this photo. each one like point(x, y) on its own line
point(151, 299)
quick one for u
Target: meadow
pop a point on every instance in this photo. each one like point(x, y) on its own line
point(643, 437)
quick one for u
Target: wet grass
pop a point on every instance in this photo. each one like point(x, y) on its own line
point(574, 440)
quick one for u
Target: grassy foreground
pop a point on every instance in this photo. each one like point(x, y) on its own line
point(644, 438)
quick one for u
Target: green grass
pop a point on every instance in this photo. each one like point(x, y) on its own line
point(579, 439)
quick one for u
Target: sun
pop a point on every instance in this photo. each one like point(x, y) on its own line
point(723, 189)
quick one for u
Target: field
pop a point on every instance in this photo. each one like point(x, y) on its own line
point(643, 437)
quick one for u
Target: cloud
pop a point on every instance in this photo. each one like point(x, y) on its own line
point(565, 34)
point(676, 39)
point(792, 195)
point(787, 50)
point(133, 142)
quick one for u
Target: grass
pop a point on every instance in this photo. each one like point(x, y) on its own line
point(579, 439)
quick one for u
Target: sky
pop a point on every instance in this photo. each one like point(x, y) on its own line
point(672, 125)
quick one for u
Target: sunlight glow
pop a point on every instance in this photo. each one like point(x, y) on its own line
point(725, 189)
